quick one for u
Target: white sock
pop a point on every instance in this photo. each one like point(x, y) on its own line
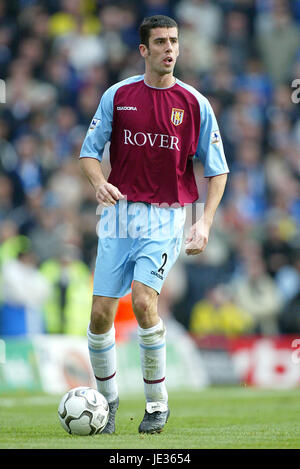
point(153, 361)
point(102, 350)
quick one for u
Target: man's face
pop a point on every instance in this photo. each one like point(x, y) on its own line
point(163, 50)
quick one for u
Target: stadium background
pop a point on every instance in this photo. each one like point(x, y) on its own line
point(240, 300)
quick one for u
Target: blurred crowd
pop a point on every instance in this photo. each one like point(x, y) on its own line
point(57, 57)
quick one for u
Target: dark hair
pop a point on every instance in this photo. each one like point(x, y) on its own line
point(157, 21)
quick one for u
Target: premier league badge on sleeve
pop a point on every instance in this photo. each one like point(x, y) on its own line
point(215, 138)
point(93, 124)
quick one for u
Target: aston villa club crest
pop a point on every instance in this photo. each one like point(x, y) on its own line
point(177, 116)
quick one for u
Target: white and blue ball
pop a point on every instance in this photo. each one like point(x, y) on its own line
point(83, 411)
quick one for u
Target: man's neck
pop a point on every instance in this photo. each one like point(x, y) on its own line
point(159, 81)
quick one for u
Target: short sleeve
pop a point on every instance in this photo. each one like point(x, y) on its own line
point(210, 149)
point(99, 132)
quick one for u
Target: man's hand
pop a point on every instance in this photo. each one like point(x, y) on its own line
point(107, 194)
point(197, 238)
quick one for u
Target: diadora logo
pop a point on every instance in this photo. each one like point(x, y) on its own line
point(126, 108)
point(155, 140)
point(156, 274)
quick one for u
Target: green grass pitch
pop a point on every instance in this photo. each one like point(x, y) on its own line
point(215, 418)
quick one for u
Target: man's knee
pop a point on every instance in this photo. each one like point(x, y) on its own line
point(141, 304)
point(103, 314)
point(144, 303)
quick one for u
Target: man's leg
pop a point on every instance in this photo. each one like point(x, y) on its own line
point(102, 350)
point(151, 336)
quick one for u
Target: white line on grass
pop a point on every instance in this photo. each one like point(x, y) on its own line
point(28, 400)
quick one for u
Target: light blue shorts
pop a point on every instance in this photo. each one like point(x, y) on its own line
point(137, 241)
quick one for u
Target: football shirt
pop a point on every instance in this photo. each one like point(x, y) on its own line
point(155, 133)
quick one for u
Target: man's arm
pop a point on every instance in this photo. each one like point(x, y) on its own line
point(199, 232)
point(106, 193)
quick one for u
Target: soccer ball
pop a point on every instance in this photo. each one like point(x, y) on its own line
point(83, 411)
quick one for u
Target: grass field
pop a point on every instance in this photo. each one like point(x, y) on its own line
point(212, 418)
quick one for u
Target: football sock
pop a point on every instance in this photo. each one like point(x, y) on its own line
point(153, 361)
point(102, 350)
